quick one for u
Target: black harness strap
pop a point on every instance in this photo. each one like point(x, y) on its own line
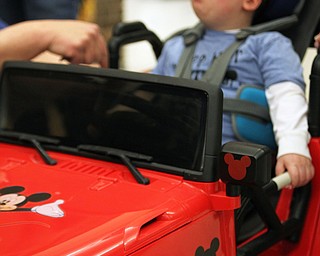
point(216, 73)
point(247, 108)
point(190, 37)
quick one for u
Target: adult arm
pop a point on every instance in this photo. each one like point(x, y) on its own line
point(76, 41)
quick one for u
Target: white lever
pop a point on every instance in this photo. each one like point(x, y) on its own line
point(282, 180)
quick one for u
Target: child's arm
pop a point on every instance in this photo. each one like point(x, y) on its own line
point(288, 111)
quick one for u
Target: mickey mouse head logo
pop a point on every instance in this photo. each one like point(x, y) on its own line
point(237, 168)
point(214, 246)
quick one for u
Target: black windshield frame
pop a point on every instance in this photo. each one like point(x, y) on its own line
point(176, 121)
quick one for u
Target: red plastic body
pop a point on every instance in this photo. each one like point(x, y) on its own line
point(308, 244)
point(97, 208)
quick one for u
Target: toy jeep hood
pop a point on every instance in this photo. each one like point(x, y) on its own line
point(101, 161)
point(80, 203)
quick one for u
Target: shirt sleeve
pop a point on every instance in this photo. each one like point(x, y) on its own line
point(278, 62)
point(288, 111)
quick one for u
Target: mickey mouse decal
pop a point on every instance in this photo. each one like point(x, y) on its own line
point(237, 168)
point(211, 251)
point(11, 199)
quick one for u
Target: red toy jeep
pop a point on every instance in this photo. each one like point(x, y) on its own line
point(109, 162)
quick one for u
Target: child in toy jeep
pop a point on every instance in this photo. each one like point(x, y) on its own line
point(63, 185)
point(266, 60)
point(207, 46)
point(92, 168)
point(77, 186)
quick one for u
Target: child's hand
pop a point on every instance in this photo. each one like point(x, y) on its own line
point(299, 167)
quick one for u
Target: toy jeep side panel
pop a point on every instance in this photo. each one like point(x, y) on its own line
point(212, 234)
point(309, 241)
point(307, 244)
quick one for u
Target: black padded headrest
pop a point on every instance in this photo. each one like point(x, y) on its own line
point(275, 9)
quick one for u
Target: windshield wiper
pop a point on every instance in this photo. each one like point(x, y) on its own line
point(36, 142)
point(125, 157)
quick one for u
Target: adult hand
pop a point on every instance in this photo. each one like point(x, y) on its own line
point(74, 40)
point(77, 41)
point(299, 167)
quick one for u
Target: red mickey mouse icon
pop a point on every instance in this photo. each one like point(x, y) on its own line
point(237, 168)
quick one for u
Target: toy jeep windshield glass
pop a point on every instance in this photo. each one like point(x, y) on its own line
point(114, 109)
